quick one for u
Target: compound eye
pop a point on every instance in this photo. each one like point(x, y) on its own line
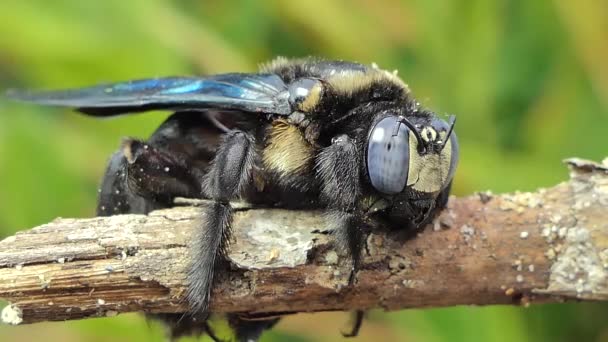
point(388, 156)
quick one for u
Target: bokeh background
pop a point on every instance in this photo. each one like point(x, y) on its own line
point(527, 79)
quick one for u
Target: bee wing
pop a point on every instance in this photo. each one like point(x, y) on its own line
point(263, 93)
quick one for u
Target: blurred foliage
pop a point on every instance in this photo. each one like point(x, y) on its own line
point(527, 79)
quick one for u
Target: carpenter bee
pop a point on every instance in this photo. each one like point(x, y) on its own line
point(305, 133)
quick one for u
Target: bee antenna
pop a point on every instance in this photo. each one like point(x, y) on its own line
point(403, 120)
point(447, 137)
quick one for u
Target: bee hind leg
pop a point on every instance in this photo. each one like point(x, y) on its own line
point(115, 197)
point(140, 178)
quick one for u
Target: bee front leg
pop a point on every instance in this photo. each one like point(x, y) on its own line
point(229, 175)
point(338, 170)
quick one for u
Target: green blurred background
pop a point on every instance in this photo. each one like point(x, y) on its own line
point(528, 81)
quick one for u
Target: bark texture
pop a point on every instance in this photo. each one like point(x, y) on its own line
point(522, 248)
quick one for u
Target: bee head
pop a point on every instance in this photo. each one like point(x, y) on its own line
point(416, 154)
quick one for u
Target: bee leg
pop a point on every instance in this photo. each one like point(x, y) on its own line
point(338, 169)
point(140, 178)
point(178, 327)
point(442, 199)
point(143, 176)
point(228, 176)
point(247, 330)
point(424, 212)
point(159, 174)
point(357, 321)
point(115, 197)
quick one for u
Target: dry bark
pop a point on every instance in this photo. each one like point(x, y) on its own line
point(549, 245)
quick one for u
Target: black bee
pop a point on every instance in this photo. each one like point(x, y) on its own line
point(304, 133)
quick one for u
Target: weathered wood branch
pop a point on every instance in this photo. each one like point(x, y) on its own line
point(549, 245)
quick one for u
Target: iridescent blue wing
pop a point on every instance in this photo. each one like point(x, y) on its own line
point(263, 93)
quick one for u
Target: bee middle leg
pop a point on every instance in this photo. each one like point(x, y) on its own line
point(338, 169)
point(229, 175)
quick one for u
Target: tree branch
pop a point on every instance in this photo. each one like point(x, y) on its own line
point(520, 248)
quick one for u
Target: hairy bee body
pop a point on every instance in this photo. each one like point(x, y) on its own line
point(306, 133)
